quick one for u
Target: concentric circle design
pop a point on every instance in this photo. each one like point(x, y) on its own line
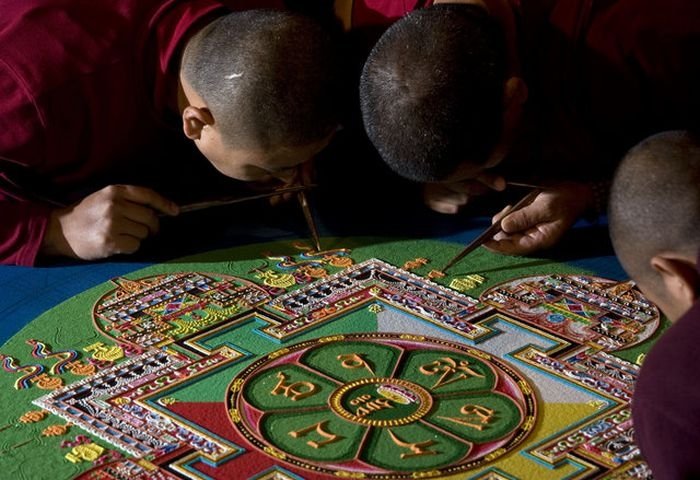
point(381, 405)
point(381, 402)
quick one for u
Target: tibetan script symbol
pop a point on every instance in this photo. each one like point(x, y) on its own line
point(417, 449)
point(294, 391)
point(321, 430)
point(451, 371)
point(353, 361)
point(475, 416)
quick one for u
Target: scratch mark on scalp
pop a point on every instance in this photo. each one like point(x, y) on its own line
point(234, 75)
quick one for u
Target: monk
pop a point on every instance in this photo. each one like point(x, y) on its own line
point(93, 88)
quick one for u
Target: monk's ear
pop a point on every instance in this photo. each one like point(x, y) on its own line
point(515, 93)
point(514, 97)
point(194, 119)
point(680, 278)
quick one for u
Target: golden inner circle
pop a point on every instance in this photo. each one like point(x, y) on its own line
point(359, 405)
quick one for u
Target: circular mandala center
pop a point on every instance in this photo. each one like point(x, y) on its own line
point(381, 402)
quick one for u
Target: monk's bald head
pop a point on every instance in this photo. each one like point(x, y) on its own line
point(655, 203)
point(432, 91)
point(268, 77)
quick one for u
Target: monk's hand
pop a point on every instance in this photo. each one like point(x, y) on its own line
point(541, 224)
point(450, 197)
point(111, 221)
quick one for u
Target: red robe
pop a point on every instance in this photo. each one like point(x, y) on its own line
point(613, 72)
point(84, 85)
point(666, 402)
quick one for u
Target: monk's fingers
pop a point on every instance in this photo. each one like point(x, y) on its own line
point(442, 199)
point(126, 244)
point(526, 218)
point(141, 215)
point(446, 207)
point(499, 216)
point(143, 196)
point(125, 226)
point(516, 244)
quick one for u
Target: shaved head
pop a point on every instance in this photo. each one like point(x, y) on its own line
point(655, 203)
point(431, 91)
point(268, 77)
